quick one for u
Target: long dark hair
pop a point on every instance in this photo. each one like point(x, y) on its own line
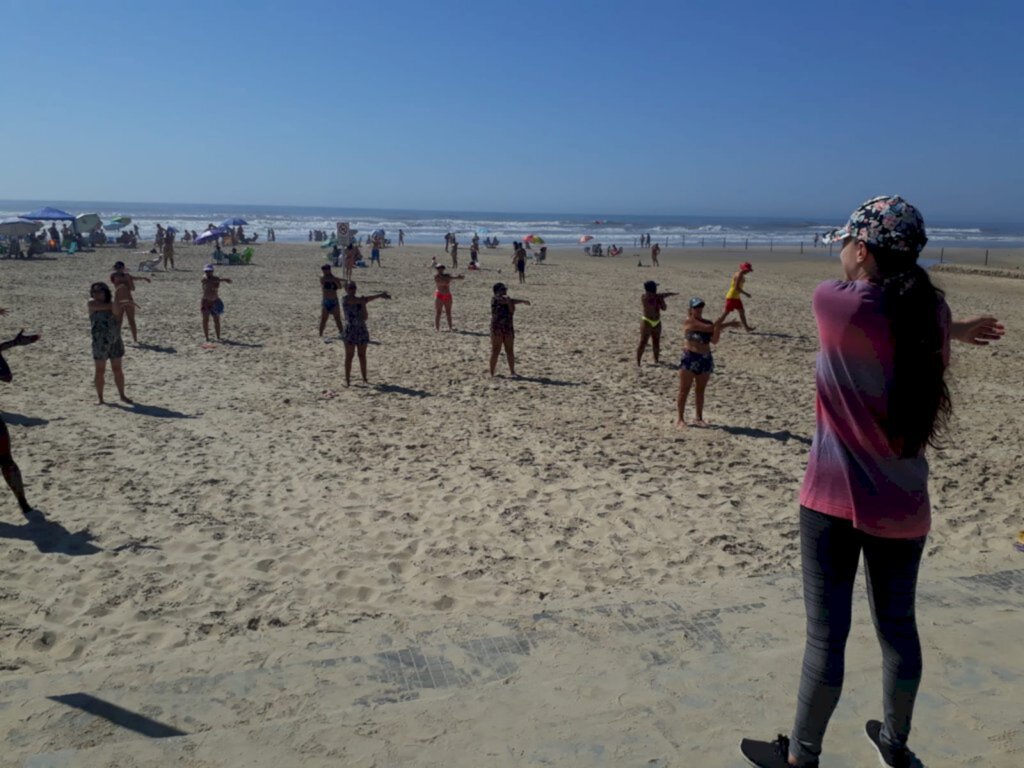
point(107, 296)
point(919, 404)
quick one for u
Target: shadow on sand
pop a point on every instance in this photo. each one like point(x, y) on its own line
point(151, 410)
point(395, 389)
point(156, 348)
point(49, 536)
point(112, 713)
point(470, 333)
point(23, 421)
point(543, 380)
point(783, 435)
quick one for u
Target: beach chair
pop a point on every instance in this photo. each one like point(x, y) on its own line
point(150, 265)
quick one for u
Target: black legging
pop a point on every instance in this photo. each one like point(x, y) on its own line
point(830, 553)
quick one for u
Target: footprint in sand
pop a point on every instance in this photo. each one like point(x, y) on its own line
point(444, 604)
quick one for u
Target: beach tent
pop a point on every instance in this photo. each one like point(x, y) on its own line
point(17, 227)
point(87, 222)
point(48, 214)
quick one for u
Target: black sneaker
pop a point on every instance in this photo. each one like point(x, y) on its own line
point(768, 754)
point(893, 757)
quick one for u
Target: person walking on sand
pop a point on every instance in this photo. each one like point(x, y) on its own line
point(519, 261)
point(443, 295)
point(106, 340)
point(330, 306)
point(10, 470)
point(211, 303)
point(349, 261)
point(356, 335)
point(884, 333)
point(503, 333)
point(168, 248)
point(733, 302)
point(697, 363)
point(655, 251)
point(651, 305)
point(455, 253)
point(124, 304)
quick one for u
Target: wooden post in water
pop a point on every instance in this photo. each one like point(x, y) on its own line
point(986, 257)
point(942, 255)
point(801, 247)
point(746, 244)
point(771, 245)
point(723, 242)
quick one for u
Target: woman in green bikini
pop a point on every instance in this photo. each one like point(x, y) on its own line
point(651, 303)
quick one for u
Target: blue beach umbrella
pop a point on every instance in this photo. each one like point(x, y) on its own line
point(118, 222)
point(235, 222)
point(211, 234)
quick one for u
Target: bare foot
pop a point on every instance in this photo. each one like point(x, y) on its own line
point(126, 399)
point(680, 424)
point(701, 423)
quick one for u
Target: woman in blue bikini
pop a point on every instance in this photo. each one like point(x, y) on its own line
point(330, 306)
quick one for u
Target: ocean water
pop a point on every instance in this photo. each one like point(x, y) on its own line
point(293, 223)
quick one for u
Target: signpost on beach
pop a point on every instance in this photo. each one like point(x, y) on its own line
point(344, 238)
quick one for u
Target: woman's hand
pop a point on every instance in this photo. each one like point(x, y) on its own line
point(977, 330)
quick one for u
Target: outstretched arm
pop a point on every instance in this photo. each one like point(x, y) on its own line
point(381, 295)
point(20, 340)
point(976, 330)
point(716, 331)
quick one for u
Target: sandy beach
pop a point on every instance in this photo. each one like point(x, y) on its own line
point(249, 496)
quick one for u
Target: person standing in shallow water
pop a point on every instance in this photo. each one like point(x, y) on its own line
point(503, 334)
point(882, 398)
point(651, 305)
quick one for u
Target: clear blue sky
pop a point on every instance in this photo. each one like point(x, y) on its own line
point(747, 108)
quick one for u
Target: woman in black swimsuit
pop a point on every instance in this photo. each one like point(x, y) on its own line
point(330, 306)
point(697, 363)
point(10, 470)
point(503, 333)
point(356, 336)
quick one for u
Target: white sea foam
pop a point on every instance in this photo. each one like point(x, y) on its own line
point(294, 224)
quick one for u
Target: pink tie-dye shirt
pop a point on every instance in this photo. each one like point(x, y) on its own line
point(853, 472)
